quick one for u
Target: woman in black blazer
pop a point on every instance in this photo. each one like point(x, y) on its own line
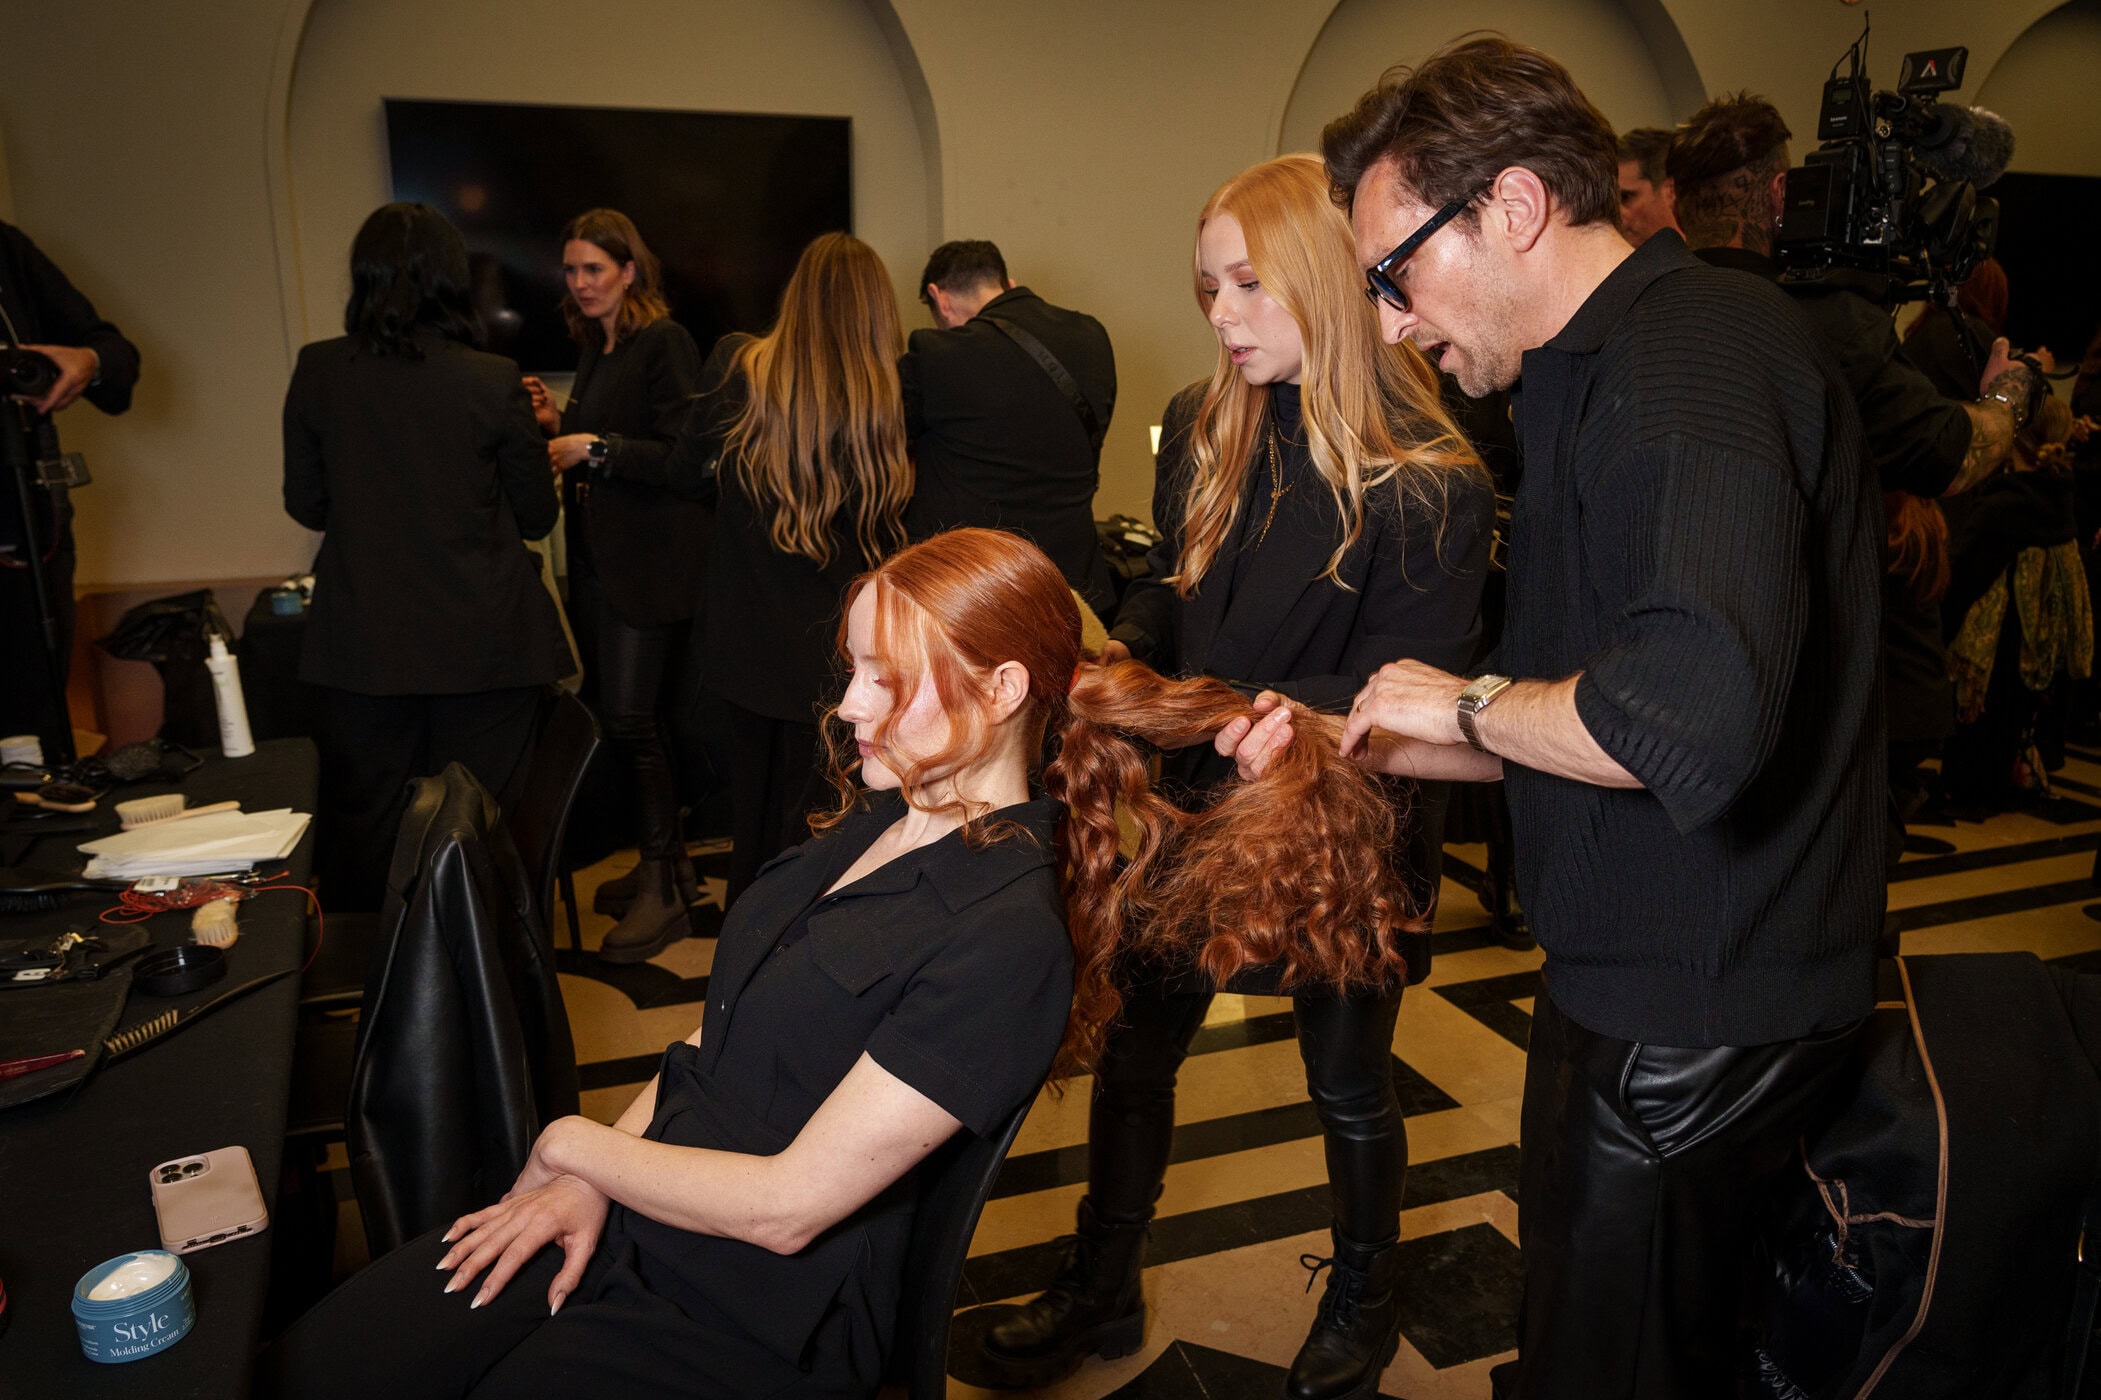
point(637, 554)
point(1320, 516)
point(431, 632)
point(799, 441)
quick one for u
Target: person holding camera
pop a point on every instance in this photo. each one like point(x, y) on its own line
point(58, 349)
point(1684, 706)
point(1729, 163)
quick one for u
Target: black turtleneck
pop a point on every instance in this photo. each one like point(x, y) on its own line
point(1294, 469)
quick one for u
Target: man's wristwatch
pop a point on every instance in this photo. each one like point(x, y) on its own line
point(596, 450)
point(1479, 694)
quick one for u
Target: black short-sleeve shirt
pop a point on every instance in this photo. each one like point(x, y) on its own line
point(950, 966)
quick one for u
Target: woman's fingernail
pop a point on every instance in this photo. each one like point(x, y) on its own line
point(479, 1299)
point(452, 1284)
point(556, 1305)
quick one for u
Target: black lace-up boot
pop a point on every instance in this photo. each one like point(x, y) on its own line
point(1358, 1328)
point(1092, 1308)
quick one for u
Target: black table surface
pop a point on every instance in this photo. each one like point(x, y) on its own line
point(73, 1168)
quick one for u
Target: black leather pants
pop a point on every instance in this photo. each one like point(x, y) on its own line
point(634, 666)
point(1347, 1046)
point(1645, 1176)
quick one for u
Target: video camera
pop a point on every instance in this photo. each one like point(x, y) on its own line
point(1892, 191)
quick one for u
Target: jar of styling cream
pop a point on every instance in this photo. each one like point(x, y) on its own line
point(132, 1306)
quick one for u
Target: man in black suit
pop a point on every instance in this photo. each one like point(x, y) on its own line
point(1006, 405)
point(42, 311)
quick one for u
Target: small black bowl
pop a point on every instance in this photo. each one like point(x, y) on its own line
point(173, 971)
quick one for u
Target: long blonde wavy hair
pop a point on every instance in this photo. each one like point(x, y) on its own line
point(824, 422)
point(1371, 410)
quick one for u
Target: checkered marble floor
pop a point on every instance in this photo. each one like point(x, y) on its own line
point(1246, 1191)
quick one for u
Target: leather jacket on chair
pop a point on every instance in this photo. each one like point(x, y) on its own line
point(464, 1051)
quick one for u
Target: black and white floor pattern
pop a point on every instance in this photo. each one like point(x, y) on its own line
point(1246, 1192)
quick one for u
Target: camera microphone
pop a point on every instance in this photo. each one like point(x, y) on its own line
point(1966, 143)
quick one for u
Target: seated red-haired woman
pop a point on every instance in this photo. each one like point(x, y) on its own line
point(911, 971)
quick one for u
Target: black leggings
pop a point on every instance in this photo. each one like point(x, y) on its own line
point(635, 665)
point(1347, 1046)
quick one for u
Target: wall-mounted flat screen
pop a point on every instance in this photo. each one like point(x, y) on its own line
point(727, 201)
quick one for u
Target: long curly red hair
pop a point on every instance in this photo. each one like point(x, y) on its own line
point(1295, 869)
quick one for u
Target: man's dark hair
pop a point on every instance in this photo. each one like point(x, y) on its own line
point(408, 275)
point(963, 264)
point(1647, 147)
point(1472, 110)
point(1723, 161)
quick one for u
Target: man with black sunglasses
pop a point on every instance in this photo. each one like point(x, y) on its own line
point(1683, 707)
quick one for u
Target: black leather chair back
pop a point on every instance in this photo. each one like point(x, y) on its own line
point(464, 1051)
point(538, 821)
point(955, 1182)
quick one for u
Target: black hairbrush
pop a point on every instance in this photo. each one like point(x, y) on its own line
point(28, 890)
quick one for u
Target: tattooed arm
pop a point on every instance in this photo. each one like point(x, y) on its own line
point(2007, 388)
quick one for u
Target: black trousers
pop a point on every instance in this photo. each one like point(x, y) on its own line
point(775, 783)
point(372, 745)
point(1347, 1046)
point(26, 702)
point(637, 666)
point(1646, 1172)
point(391, 1331)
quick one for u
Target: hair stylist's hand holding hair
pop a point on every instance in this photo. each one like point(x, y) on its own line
point(1253, 744)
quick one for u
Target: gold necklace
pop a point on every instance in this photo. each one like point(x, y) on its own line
point(1277, 488)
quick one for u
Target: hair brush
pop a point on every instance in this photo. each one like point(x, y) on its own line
point(28, 890)
point(167, 1023)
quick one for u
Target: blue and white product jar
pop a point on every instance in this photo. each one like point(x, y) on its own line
point(132, 1306)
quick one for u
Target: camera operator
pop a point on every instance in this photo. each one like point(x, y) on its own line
point(1729, 166)
point(42, 313)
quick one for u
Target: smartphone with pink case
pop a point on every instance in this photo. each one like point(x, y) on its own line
point(207, 1199)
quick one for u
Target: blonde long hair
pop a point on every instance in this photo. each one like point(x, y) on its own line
point(1371, 410)
point(824, 422)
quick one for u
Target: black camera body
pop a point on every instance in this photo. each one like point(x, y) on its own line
point(1892, 190)
point(29, 373)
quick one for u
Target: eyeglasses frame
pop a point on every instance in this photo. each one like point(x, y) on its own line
point(1379, 283)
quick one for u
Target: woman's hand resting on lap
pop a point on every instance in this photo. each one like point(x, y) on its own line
point(542, 1208)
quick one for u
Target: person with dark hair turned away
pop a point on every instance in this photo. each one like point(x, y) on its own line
point(1730, 162)
point(42, 312)
point(431, 633)
point(1684, 705)
point(1006, 403)
point(637, 553)
point(2019, 617)
point(1648, 199)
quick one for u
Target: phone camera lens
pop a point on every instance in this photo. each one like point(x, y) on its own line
point(192, 1168)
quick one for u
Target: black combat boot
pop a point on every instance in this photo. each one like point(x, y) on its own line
point(1358, 1328)
point(1093, 1307)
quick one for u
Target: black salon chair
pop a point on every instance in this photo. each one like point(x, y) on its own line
point(539, 820)
point(955, 1183)
point(462, 1051)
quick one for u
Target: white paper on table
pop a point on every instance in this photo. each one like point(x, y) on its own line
point(203, 845)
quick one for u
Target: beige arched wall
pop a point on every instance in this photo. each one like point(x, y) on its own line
point(818, 57)
point(1600, 40)
point(148, 146)
point(2046, 86)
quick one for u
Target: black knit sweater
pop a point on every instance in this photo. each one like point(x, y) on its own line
point(1698, 533)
